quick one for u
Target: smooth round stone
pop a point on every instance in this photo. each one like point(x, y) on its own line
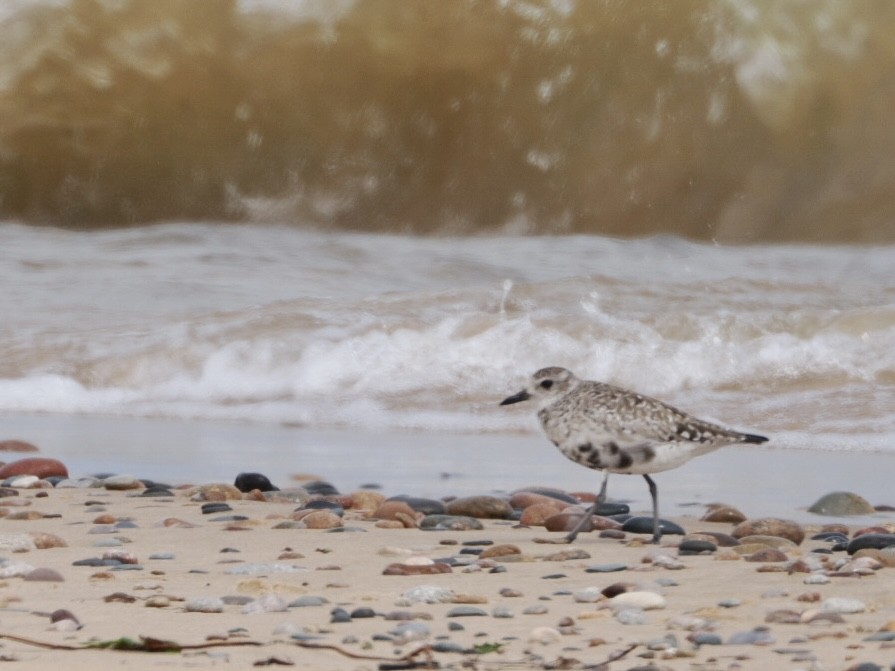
point(448, 646)
point(838, 604)
point(8, 491)
point(204, 604)
point(322, 519)
point(15, 570)
point(339, 616)
point(606, 568)
point(14, 445)
point(480, 507)
point(450, 523)
point(428, 594)
point(770, 526)
point(247, 482)
point(753, 637)
point(696, 547)
point(22, 481)
point(158, 601)
point(872, 541)
point(502, 612)
point(237, 599)
point(724, 514)
point(839, 504)
point(16, 543)
point(320, 488)
point(218, 507)
point(588, 595)
point(538, 609)
point(366, 500)
point(544, 635)
point(644, 525)
point(705, 638)
point(609, 508)
point(643, 600)
point(394, 510)
point(41, 467)
point(96, 562)
point(215, 491)
point(631, 616)
point(308, 602)
point(537, 514)
point(362, 612)
point(324, 504)
point(43, 575)
point(122, 483)
point(421, 505)
point(162, 556)
point(466, 611)
point(550, 492)
point(157, 491)
point(830, 537)
point(269, 603)
point(816, 579)
point(767, 555)
point(80, 483)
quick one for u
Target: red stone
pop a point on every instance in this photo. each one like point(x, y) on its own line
point(42, 467)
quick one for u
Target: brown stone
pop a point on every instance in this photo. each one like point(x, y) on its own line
point(501, 550)
point(767, 555)
point(43, 540)
point(44, 575)
point(366, 500)
point(417, 569)
point(567, 555)
point(524, 500)
point(723, 513)
point(17, 446)
point(322, 519)
point(389, 509)
point(480, 507)
point(217, 491)
point(42, 467)
point(770, 526)
point(537, 514)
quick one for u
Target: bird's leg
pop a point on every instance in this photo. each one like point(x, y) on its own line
point(582, 522)
point(601, 497)
point(657, 533)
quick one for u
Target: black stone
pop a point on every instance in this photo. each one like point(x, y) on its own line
point(474, 543)
point(471, 551)
point(320, 488)
point(609, 508)
point(421, 505)
point(216, 507)
point(157, 490)
point(339, 615)
point(363, 612)
point(644, 525)
point(96, 561)
point(230, 518)
point(696, 547)
point(247, 482)
point(874, 541)
point(830, 537)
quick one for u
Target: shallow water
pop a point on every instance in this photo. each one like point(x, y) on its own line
point(270, 324)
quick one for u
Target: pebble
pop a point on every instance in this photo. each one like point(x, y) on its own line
point(247, 482)
point(450, 523)
point(641, 600)
point(204, 604)
point(17, 542)
point(43, 575)
point(549, 492)
point(417, 569)
point(644, 525)
point(544, 635)
point(843, 605)
point(723, 513)
point(15, 445)
point(631, 616)
point(121, 483)
point(480, 507)
point(502, 612)
point(263, 569)
point(875, 541)
point(838, 504)
point(757, 636)
point(606, 568)
point(214, 492)
point(696, 547)
point(770, 526)
point(41, 467)
point(588, 595)
point(466, 611)
point(428, 594)
point(308, 601)
point(217, 507)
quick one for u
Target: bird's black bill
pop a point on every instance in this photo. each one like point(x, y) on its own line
point(516, 398)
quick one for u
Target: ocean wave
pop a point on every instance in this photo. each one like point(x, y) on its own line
point(739, 120)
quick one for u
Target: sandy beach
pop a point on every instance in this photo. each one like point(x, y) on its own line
point(277, 592)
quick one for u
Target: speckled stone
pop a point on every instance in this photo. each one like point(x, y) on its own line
point(770, 526)
point(480, 507)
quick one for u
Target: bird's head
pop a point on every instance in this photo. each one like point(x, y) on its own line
point(545, 387)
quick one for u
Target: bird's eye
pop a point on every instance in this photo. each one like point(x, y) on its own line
point(546, 384)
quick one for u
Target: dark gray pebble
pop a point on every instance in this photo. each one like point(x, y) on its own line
point(320, 488)
point(422, 505)
point(471, 551)
point(500, 568)
point(126, 524)
point(215, 507)
point(466, 611)
point(705, 638)
point(96, 561)
point(830, 537)
point(127, 567)
point(873, 541)
point(448, 646)
point(363, 612)
point(644, 525)
point(346, 530)
point(236, 600)
point(475, 543)
point(607, 509)
point(866, 666)
point(881, 636)
point(455, 626)
point(156, 492)
point(247, 482)
point(554, 576)
point(229, 518)
point(323, 504)
point(606, 568)
point(339, 615)
point(696, 547)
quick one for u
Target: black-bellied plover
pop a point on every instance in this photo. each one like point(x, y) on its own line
point(618, 431)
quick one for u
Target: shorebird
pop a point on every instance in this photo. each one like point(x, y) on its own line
point(618, 431)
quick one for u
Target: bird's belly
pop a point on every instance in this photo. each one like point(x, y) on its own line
point(637, 459)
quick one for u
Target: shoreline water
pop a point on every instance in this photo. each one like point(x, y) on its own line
point(761, 481)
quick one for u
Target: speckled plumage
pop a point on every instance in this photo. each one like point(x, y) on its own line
point(611, 429)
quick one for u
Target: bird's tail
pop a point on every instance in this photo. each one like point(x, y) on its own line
point(754, 438)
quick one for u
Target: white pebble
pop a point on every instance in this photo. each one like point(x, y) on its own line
point(642, 600)
point(544, 635)
point(588, 595)
point(816, 579)
point(837, 604)
point(204, 604)
point(428, 594)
